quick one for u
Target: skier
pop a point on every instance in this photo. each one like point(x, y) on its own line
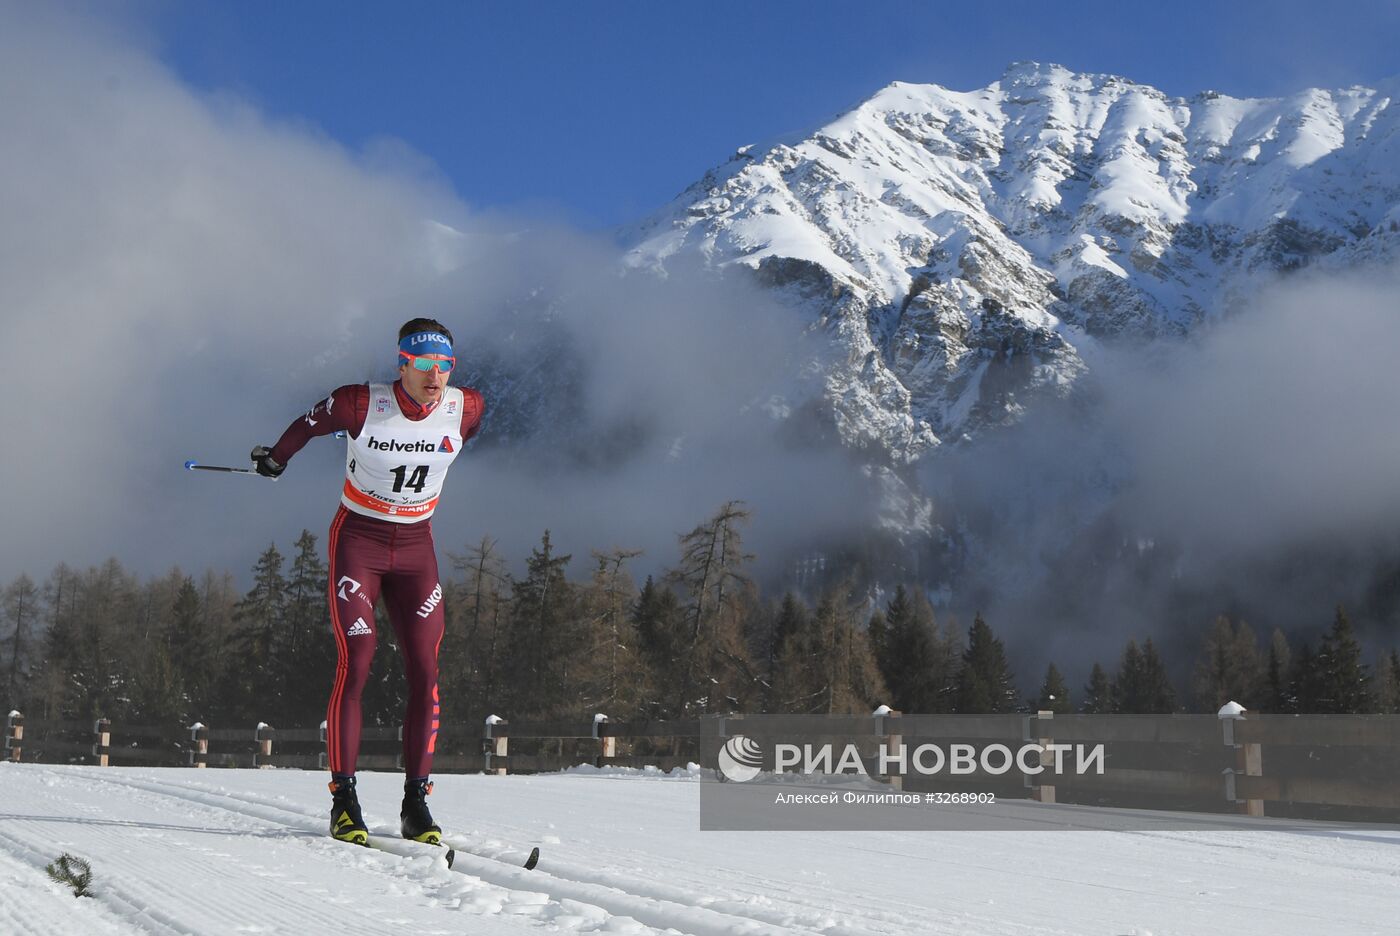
point(401, 440)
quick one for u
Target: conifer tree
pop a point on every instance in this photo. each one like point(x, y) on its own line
point(470, 660)
point(545, 633)
point(1393, 668)
point(1160, 696)
point(1344, 683)
point(1228, 668)
point(304, 652)
point(1127, 689)
point(790, 621)
point(156, 692)
point(714, 592)
point(1098, 694)
point(892, 630)
point(985, 684)
point(656, 619)
point(1305, 690)
point(877, 629)
point(1275, 694)
point(106, 611)
point(218, 611)
point(59, 647)
point(1142, 686)
point(920, 661)
point(609, 685)
point(21, 610)
point(828, 666)
point(1386, 690)
point(1054, 695)
point(307, 611)
point(254, 683)
point(191, 649)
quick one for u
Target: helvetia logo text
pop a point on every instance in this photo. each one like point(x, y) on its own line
point(393, 445)
point(432, 601)
point(740, 759)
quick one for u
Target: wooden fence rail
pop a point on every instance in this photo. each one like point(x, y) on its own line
point(1232, 738)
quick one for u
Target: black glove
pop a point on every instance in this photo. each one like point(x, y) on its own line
point(263, 461)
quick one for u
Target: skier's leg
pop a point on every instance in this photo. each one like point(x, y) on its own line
point(355, 570)
point(413, 596)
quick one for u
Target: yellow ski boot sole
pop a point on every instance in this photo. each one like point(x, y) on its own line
point(354, 836)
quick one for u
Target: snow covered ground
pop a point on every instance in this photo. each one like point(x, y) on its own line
point(244, 851)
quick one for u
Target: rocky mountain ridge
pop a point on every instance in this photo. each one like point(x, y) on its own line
point(967, 252)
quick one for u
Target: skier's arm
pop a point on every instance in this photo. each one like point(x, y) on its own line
point(344, 410)
point(473, 408)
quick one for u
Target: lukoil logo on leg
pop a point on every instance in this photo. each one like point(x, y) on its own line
point(432, 602)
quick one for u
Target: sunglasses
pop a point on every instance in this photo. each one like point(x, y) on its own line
point(427, 363)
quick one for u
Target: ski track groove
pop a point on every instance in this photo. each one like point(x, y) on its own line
point(801, 907)
point(494, 867)
point(132, 910)
point(231, 903)
point(649, 902)
point(493, 870)
point(596, 883)
point(36, 905)
point(961, 917)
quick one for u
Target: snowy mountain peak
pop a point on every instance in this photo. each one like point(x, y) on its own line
point(1020, 75)
point(960, 247)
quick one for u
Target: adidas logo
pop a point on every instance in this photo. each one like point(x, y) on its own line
point(358, 628)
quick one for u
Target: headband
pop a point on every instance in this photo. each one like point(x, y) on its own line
point(427, 342)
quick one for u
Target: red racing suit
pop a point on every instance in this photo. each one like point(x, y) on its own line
point(370, 557)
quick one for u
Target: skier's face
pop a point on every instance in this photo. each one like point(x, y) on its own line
point(424, 386)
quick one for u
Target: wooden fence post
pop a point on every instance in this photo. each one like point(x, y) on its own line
point(14, 735)
point(102, 741)
point(607, 744)
point(1249, 759)
point(890, 745)
point(496, 745)
point(263, 756)
point(199, 735)
point(1043, 792)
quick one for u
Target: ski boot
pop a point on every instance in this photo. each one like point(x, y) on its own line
point(347, 824)
point(415, 822)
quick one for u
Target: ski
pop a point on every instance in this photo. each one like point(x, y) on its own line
point(407, 849)
point(508, 858)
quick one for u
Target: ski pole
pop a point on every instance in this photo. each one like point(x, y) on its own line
point(193, 465)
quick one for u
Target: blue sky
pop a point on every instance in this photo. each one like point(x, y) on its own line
point(601, 112)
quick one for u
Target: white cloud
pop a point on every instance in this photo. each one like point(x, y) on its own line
point(180, 276)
